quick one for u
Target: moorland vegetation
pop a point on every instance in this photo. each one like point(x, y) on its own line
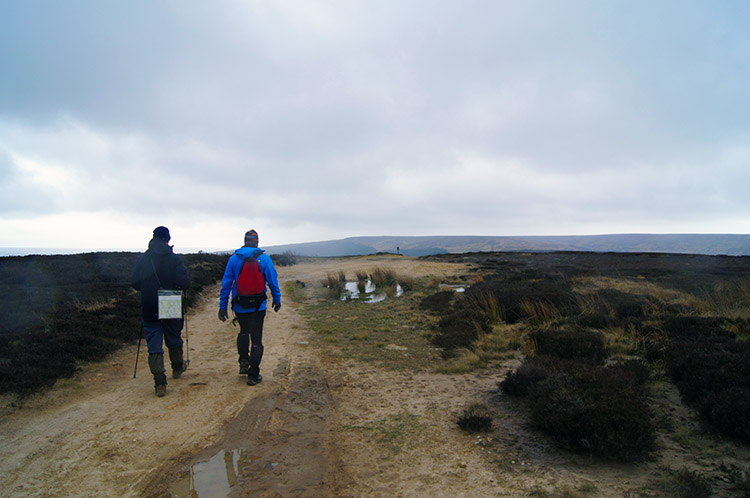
point(595, 334)
point(60, 312)
point(596, 328)
point(598, 335)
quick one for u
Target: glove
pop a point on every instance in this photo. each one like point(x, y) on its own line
point(276, 306)
point(223, 315)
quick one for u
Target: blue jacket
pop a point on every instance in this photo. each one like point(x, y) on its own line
point(232, 271)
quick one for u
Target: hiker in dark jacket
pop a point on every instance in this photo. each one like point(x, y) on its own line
point(160, 268)
point(250, 314)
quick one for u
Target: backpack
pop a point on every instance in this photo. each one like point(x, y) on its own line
point(251, 286)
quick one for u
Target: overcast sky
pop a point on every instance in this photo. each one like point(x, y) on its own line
point(313, 120)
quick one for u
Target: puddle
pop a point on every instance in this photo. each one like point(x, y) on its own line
point(457, 288)
point(352, 289)
point(214, 478)
point(352, 292)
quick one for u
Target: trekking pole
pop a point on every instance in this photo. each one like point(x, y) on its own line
point(187, 342)
point(187, 337)
point(139, 351)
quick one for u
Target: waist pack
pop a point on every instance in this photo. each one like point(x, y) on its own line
point(253, 301)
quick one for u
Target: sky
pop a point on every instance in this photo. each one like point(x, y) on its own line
point(316, 120)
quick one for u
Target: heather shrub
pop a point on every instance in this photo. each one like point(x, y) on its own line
point(634, 368)
point(531, 371)
point(587, 407)
point(204, 270)
point(596, 409)
point(438, 302)
point(685, 483)
point(595, 320)
point(624, 304)
point(580, 345)
point(459, 330)
point(476, 418)
point(729, 412)
point(514, 295)
point(488, 302)
point(39, 357)
point(712, 371)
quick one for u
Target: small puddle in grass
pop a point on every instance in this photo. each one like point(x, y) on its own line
point(457, 288)
point(353, 292)
point(215, 477)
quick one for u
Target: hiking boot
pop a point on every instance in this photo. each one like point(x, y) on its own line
point(156, 365)
point(179, 365)
point(176, 374)
point(251, 381)
point(161, 390)
point(244, 367)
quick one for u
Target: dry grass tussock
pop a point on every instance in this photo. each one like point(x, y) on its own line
point(730, 299)
point(587, 287)
point(335, 283)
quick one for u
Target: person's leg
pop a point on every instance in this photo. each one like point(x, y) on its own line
point(243, 342)
point(256, 340)
point(173, 340)
point(154, 336)
point(154, 339)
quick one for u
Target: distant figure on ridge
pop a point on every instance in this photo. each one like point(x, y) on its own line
point(160, 268)
point(248, 272)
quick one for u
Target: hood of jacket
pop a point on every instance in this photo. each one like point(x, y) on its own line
point(159, 247)
point(248, 252)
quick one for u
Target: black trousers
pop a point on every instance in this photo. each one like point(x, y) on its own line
point(250, 340)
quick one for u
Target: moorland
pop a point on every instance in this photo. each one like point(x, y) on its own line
point(492, 374)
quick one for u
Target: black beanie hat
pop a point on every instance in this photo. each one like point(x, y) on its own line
point(162, 233)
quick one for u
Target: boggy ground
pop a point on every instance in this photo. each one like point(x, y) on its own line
point(320, 423)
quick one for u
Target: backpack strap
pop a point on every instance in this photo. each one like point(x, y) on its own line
point(154, 267)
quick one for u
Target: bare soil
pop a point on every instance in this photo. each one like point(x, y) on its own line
point(318, 425)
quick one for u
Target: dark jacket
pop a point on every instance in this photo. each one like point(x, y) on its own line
point(171, 275)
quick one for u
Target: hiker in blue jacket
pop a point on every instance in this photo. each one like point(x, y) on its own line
point(250, 311)
point(160, 268)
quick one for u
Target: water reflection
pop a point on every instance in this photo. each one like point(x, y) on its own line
point(365, 293)
point(457, 288)
point(214, 478)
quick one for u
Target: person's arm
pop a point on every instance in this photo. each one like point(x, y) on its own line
point(227, 282)
point(272, 280)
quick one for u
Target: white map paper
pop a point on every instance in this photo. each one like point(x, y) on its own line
point(170, 304)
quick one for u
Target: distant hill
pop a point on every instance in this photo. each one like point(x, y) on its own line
point(708, 244)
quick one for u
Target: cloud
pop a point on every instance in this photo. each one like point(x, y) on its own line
point(341, 118)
